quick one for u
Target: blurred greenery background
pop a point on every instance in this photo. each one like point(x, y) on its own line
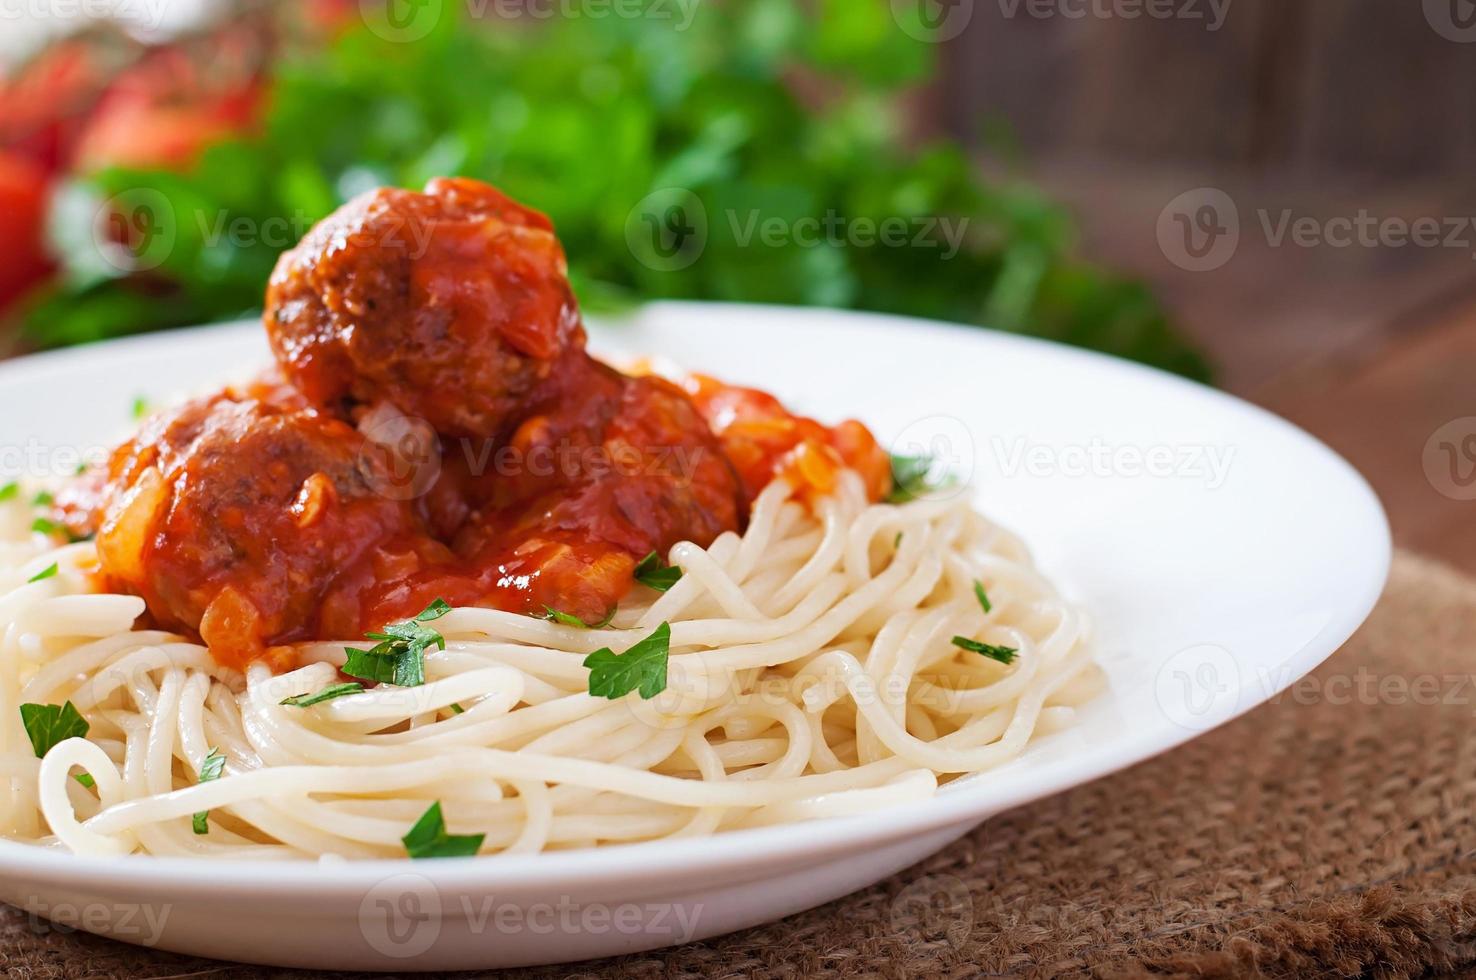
point(152, 183)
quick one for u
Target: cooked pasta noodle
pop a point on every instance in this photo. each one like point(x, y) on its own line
point(811, 674)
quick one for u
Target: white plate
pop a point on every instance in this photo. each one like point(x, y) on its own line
point(1222, 552)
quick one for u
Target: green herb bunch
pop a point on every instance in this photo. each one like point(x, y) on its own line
point(662, 145)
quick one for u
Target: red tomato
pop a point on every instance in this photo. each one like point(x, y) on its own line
point(23, 258)
point(43, 106)
point(163, 112)
point(137, 133)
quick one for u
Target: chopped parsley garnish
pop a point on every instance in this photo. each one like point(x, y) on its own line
point(909, 477)
point(210, 770)
point(388, 663)
point(435, 610)
point(45, 525)
point(85, 779)
point(140, 407)
point(48, 725)
point(10, 491)
point(428, 838)
point(657, 574)
point(641, 668)
point(45, 573)
point(564, 619)
point(457, 709)
point(326, 694)
point(897, 542)
point(399, 656)
point(982, 596)
point(43, 499)
point(1005, 655)
point(912, 477)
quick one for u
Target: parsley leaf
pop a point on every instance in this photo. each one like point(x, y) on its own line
point(642, 667)
point(47, 725)
point(399, 656)
point(657, 574)
point(434, 611)
point(44, 525)
point(140, 407)
point(387, 664)
point(912, 477)
point(45, 573)
point(908, 471)
point(326, 694)
point(982, 596)
point(85, 779)
point(210, 770)
point(428, 838)
point(10, 491)
point(1005, 655)
point(564, 619)
point(43, 498)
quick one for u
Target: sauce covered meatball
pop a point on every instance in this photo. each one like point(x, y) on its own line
point(233, 518)
point(452, 305)
point(612, 470)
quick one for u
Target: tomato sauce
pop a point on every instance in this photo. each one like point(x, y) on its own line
point(433, 428)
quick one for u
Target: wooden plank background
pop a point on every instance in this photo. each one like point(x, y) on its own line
point(1286, 86)
point(1323, 108)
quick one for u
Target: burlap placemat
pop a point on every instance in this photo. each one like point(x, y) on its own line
point(1328, 834)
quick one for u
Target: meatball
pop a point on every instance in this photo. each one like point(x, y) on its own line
point(610, 471)
point(650, 475)
point(453, 305)
point(232, 517)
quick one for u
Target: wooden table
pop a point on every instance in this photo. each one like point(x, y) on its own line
point(1370, 348)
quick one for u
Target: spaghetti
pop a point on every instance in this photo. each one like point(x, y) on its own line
point(814, 670)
